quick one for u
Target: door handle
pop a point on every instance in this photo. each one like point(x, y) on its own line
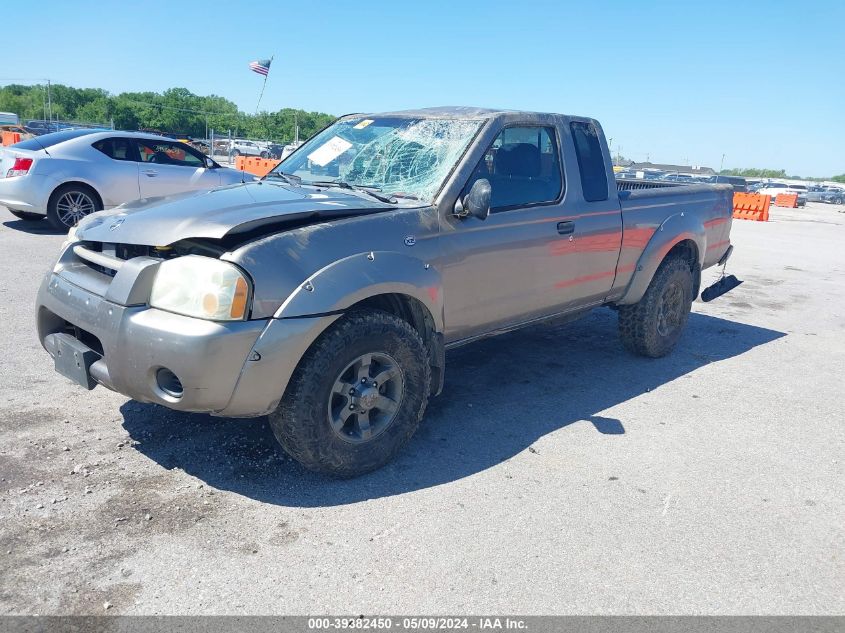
point(151, 173)
point(566, 228)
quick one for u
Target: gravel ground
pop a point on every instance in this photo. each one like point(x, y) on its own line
point(556, 474)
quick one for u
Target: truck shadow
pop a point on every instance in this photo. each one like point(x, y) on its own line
point(501, 395)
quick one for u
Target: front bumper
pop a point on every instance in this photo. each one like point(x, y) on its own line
point(238, 369)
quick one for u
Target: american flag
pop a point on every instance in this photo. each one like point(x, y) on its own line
point(262, 67)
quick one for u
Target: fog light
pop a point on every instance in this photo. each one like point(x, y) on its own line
point(169, 383)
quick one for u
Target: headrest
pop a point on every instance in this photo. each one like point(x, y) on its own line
point(517, 159)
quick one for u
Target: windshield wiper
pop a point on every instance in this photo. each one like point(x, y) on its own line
point(372, 191)
point(288, 178)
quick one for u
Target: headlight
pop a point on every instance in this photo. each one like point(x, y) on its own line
point(201, 287)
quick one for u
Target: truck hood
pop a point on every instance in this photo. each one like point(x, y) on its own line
point(221, 212)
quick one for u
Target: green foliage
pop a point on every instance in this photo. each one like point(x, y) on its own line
point(756, 173)
point(175, 111)
point(839, 178)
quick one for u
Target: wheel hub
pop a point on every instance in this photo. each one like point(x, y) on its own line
point(670, 310)
point(365, 397)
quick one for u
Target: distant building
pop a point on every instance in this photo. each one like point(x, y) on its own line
point(692, 170)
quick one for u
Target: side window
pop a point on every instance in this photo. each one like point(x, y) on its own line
point(168, 153)
point(523, 167)
point(590, 161)
point(115, 148)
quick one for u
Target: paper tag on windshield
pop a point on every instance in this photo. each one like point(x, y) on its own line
point(362, 124)
point(328, 151)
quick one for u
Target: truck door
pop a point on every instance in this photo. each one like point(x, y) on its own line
point(503, 270)
point(596, 218)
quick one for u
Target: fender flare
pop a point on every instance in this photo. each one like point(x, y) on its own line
point(347, 281)
point(674, 229)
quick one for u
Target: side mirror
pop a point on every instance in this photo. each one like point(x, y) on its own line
point(476, 203)
point(209, 163)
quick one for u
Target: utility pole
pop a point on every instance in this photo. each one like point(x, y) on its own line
point(49, 102)
point(721, 164)
point(295, 130)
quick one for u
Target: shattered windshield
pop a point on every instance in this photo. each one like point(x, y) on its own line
point(402, 157)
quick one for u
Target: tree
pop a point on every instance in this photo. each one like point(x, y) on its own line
point(174, 111)
point(752, 172)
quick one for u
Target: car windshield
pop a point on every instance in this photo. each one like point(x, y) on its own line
point(403, 157)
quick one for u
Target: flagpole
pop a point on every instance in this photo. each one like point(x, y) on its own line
point(264, 85)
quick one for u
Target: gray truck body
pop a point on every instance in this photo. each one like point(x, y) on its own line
point(310, 258)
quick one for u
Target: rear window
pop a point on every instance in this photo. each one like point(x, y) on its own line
point(48, 140)
point(115, 148)
point(590, 161)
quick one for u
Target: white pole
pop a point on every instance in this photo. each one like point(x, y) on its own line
point(49, 102)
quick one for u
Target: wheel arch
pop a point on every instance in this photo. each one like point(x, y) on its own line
point(356, 278)
point(391, 282)
point(417, 314)
point(79, 183)
point(680, 234)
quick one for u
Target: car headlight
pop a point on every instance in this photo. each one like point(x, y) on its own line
point(201, 287)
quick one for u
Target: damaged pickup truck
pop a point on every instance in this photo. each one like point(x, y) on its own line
point(326, 295)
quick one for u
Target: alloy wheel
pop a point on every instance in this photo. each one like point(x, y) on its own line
point(73, 206)
point(365, 397)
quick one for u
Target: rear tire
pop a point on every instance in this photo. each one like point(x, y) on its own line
point(332, 418)
point(70, 203)
point(26, 215)
point(653, 326)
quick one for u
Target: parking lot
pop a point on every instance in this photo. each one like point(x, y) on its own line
point(556, 473)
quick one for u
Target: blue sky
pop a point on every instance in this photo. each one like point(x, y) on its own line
point(761, 82)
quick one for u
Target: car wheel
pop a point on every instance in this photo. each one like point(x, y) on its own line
point(653, 326)
point(235, 153)
point(25, 215)
point(70, 203)
point(356, 397)
point(265, 155)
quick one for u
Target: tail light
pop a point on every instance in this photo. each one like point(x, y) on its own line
point(20, 168)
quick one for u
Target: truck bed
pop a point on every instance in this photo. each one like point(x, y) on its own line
point(647, 206)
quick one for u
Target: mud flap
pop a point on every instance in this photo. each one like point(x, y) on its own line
point(725, 284)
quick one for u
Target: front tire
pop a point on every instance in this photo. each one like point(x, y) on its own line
point(26, 215)
point(356, 397)
point(69, 204)
point(653, 326)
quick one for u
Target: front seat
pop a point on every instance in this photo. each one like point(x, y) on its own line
point(516, 175)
